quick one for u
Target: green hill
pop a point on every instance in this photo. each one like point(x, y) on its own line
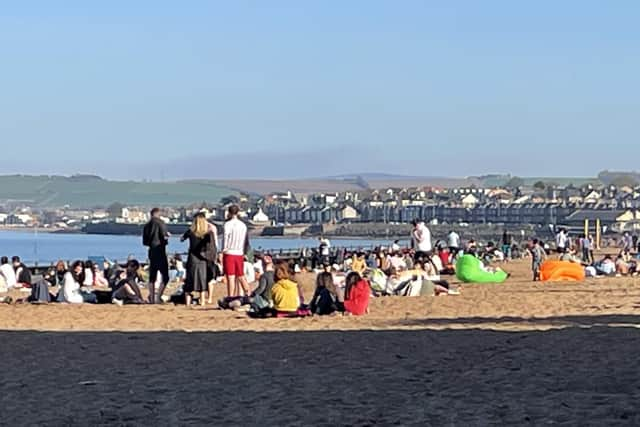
point(83, 191)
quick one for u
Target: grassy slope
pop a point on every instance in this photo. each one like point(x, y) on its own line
point(88, 192)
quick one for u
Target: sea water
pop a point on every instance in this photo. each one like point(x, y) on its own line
point(46, 248)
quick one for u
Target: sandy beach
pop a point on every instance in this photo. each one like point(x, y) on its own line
point(512, 354)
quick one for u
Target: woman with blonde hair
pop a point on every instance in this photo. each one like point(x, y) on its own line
point(200, 238)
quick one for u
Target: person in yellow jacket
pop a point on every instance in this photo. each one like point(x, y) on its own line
point(285, 293)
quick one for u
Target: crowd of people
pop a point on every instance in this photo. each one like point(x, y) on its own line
point(265, 286)
point(580, 250)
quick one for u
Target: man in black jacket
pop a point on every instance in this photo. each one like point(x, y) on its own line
point(156, 237)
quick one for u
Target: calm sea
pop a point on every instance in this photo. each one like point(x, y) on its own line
point(45, 248)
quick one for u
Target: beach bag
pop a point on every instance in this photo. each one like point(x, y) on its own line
point(378, 281)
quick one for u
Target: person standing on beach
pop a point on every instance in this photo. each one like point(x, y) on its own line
point(507, 241)
point(200, 240)
point(156, 237)
point(421, 239)
point(235, 243)
point(453, 241)
point(324, 249)
point(562, 241)
point(538, 255)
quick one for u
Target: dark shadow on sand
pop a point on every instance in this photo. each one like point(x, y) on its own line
point(574, 376)
point(573, 321)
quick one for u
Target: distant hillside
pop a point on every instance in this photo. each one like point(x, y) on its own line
point(500, 180)
point(85, 191)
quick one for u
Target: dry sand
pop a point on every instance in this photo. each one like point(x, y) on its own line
point(511, 354)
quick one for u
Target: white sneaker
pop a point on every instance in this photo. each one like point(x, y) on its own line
point(117, 302)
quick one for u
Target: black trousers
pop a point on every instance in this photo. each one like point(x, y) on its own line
point(158, 263)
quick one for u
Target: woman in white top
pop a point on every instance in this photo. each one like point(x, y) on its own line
point(70, 291)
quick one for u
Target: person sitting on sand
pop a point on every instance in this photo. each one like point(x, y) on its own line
point(23, 274)
point(99, 279)
point(625, 264)
point(88, 273)
point(427, 273)
point(8, 273)
point(60, 271)
point(285, 293)
point(397, 262)
point(326, 299)
point(127, 290)
point(71, 290)
point(356, 295)
point(261, 297)
point(358, 263)
point(606, 267)
point(571, 256)
point(3, 284)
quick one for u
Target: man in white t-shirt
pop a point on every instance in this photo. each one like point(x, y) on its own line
point(324, 249)
point(235, 240)
point(421, 238)
point(8, 273)
point(453, 241)
point(562, 241)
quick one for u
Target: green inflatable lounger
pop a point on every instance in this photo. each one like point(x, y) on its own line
point(468, 270)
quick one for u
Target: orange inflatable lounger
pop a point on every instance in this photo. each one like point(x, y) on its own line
point(561, 271)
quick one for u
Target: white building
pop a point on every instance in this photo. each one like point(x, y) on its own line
point(260, 218)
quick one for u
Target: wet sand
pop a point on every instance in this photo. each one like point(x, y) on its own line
point(512, 354)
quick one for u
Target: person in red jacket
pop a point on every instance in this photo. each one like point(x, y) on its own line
point(356, 295)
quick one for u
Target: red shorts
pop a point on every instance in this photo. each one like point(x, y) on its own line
point(233, 265)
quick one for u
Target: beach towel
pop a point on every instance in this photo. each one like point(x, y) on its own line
point(469, 270)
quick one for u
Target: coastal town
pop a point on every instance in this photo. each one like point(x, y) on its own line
point(616, 208)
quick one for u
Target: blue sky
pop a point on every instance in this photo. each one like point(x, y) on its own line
point(151, 89)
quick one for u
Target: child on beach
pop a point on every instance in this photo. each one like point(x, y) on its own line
point(538, 255)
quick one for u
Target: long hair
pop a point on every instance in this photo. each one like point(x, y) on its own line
point(282, 272)
point(77, 277)
point(352, 279)
point(325, 280)
point(200, 226)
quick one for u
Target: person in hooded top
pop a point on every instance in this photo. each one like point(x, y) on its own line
point(285, 293)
